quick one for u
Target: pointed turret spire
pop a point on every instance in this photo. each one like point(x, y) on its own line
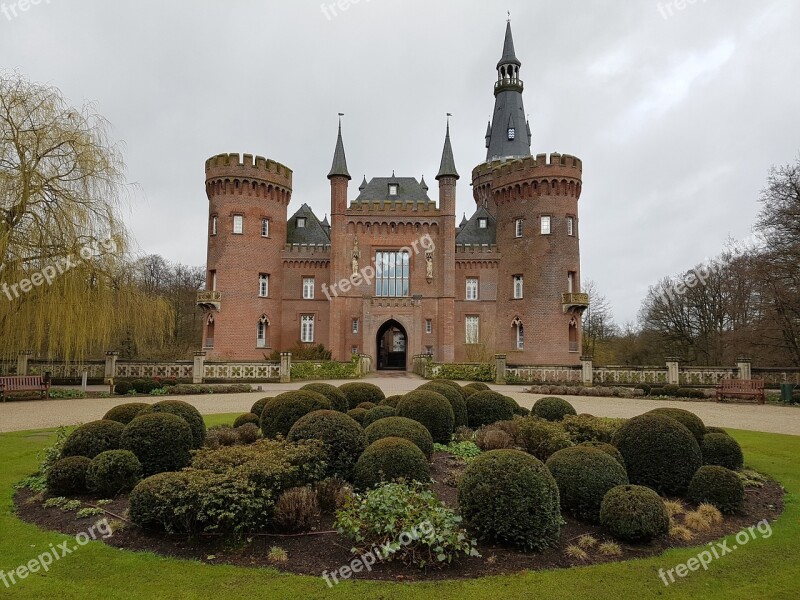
point(339, 166)
point(509, 56)
point(447, 167)
point(488, 133)
point(363, 185)
point(423, 184)
point(463, 221)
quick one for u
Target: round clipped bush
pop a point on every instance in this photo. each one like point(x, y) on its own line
point(185, 411)
point(453, 395)
point(401, 427)
point(92, 438)
point(391, 401)
point(689, 420)
point(68, 476)
point(336, 396)
point(510, 497)
point(113, 472)
point(718, 486)
point(452, 384)
point(716, 430)
point(245, 419)
point(153, 502)
point(378, 413)
point(287, 408)
point(258, 407)
point(122, 388)
point(358, 392)
point(432, 410)
point(487, 407)
point(367, 405)
point(584, 475)
point(659, 453)
point(358, 414)
point(478, 385)
point(389, 459)
point(722, 450)
point(125, 413)
point(634, 513)
point(469, 390)
point(541, 438)
point(342, 438)
point(608, 449)
point(161, 441)
point(552, 408)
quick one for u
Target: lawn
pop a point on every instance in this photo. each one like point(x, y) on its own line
point(765, 568)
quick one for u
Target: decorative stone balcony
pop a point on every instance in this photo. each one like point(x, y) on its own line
point(572, 301)
point(209, 299)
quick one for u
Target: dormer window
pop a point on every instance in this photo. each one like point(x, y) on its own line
point(301, 222)
point(393, 189)
point(483, 223)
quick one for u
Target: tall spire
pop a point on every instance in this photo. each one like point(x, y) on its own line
point(339, 166)
point(509, 56)
point(447, 168)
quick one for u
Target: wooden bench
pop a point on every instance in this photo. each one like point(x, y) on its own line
point(24, 383)
point(741, 388)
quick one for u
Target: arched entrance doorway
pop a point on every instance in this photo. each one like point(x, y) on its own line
point(392, 344)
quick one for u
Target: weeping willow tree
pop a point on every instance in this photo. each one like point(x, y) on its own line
point(65, 291)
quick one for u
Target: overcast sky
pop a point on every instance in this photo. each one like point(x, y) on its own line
point(677, 113)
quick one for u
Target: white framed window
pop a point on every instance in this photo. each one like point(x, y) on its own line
point(483, 223)
point(428, 326)
point(307, 328)
point(261, 332)
point(518, 287)
point(570, 225)
point(301, 222)
point(263, 285)
point(355, 325)
point(545, 225)
point(264, 227)
point(393, 189)
point(520, 337)
point(472, 288)
point(391, 274)
point(238, 224)
point(308, 288)
point(214, 221)
point(471, 324)
point(518, 228)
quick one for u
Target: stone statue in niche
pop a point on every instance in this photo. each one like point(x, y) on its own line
point(429, 265)
point(356, 256)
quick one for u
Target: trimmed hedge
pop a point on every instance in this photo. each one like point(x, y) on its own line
point(245, 419)
point(185, 411)
point(487, 407)
point(391, 400)
point(541, 438)
point(690, 420)
point(359, 392)
point(432, 410)
point(260, 405)
point(337, 398)
point(358, 414)
point(342, 438)
point(113, 472)
point(659, 452)
point(634, 513)
point(609, 449)
point(67, 476)
point(287, 408)
point(584, 475)
point(510, 497)
point(588, 428)
point(401, 427)
point(94, 437)
point(378, 413)
point(125, 413)
point(389, 459)
point(478, 385)
point(367, 405)
point(718, 486)
point(453, 395)
point(552, 408)
point(161, 441)
point(722, 450)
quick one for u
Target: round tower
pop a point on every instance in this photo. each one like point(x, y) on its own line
point(248, 199)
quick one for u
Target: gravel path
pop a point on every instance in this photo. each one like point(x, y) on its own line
point(39, 414)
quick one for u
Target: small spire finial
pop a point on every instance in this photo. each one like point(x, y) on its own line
point(509, 17)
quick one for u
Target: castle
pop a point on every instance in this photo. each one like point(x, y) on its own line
point(392, 274)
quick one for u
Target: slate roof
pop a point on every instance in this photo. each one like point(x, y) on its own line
point(339, 165)
point(408, 190)
point(470, 233)
point(447, 168)
point(313, 233)
point(509, 56)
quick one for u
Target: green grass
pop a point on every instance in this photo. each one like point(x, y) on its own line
point(762, 569)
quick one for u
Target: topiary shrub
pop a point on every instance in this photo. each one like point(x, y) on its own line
point(718, 486)
point(258, 407)
point(378, 413)
point(113, 472)
point(722, 450)
point(634, 513)
point(659, 452)
point(491, 437)
point(122, 388)
point(609, 449)
point(336, 396)
point(510, 497)
point(401, 427)
point(248, 433)
point(453, 395)
point(358, 414)
point(432, 410)
point(91, 439)
point(487, 407)
point(358, 392)
point(67, 476)
point(478, 385)
point(584, 475)
point(541, 438)
point(469, 390)
point(246, 418)
point(367, 405)
point(552, 408)
point(588, 428)
point(185, 411)
point(391, 401)
point(161, 441)
point(342, 438)
point(690, 420)
point(389, 459)
point(287, 408)
point(125, 413)
point(716, 430)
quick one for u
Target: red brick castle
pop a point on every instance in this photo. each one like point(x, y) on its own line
point(392, 275)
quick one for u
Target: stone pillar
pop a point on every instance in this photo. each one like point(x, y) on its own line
point(500, 368)
point(111, 366)
point(198, 367)
point(743, 365)
point(364, 361)
point(587, 371)
point(286, 367)
point(22, 362)
point(673, 374)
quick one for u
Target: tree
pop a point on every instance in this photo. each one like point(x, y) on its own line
point(598, 325)
point(64, 290)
